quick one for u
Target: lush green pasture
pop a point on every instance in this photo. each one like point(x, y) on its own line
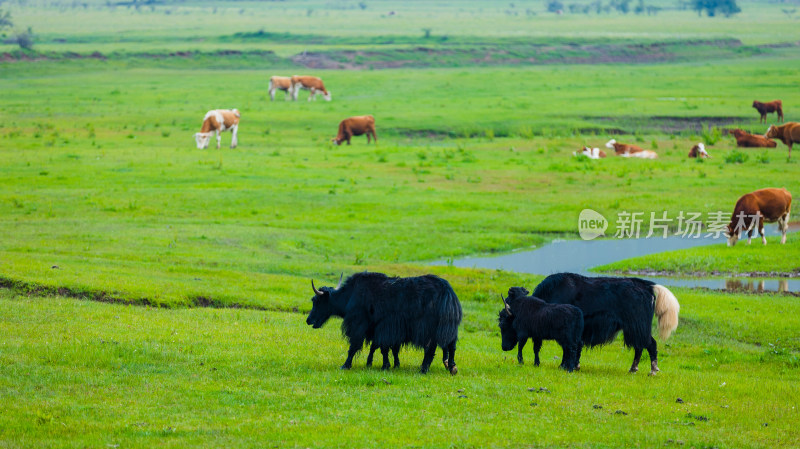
point(103, 196)
point(101, 178)
point(773, 259)
point(80, 373)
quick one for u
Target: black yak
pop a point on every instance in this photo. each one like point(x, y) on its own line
point(524, 317)
point(423, 311)
point(611, 305)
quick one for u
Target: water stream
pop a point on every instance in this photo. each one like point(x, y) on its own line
point(578, 256)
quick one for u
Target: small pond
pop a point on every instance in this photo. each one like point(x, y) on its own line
point(578, 256)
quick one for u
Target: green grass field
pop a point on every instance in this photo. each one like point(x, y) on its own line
point(154, 294)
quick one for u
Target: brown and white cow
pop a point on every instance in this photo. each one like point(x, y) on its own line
point(310, 83)
point(283, 83)
point(745, 139)
point(755, 208)
point(699, 150)
point(788, 134)
point(591, 153)
point(216, 121)
point(622, 148)
point(768, 107)
point(355, 126)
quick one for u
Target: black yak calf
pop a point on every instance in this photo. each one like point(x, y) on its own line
point(525, 317)
point(422, 311)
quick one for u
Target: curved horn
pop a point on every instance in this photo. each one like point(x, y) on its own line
point(316, 292)
point(508, 309)
point(340, 281)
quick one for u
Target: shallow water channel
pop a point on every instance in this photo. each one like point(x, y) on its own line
point(578, 256)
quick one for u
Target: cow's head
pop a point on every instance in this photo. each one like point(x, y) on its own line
point(701, 150)
point(738, 133)
point(772, 131)
point(755, 103)
point(202, 140)
point(322, 308)
point(732, 235)
point(337, 140)
point(505, 320)
point(327, 95)
point(610, 143)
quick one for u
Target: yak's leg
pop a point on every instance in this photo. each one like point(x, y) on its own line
point(219, 139)
point(374, 137)
point(520, 345)
point(396, 353)
point(354, 348)
point(430, 352)
point(385, 353)
point(312, 94)
point(578, 356)
point(637, 354)
point(537, 346)
point(652, 350)
point(761, 231)
point(446, 357)
point(372, 349)
point(452, 359)
point(790, 150)
point(234, 139)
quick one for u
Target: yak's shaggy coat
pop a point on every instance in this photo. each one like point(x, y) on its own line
point(611, 305)
point(525, 317)
point(423, 311)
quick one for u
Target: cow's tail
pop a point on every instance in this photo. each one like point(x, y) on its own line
point(667, 309)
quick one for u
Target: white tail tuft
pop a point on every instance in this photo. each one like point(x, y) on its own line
point(667, 309)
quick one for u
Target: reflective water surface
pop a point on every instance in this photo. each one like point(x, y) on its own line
point(578, 256)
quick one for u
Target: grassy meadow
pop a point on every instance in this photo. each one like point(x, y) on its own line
point(154, 294)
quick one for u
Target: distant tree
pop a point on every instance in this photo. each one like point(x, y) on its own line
point(5, 20)
point(554, 6)
point(712, 7)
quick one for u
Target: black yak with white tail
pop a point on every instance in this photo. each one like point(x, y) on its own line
point(611, 305)
point(524, 317)
point(423, 311)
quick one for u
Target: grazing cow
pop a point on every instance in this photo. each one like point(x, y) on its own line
point(310, 83)
point(644, 154)
point(788, 134)
point(216, 121)
point(699, 150)
point(610, 305)
point(524, 317)
point(766, 108)
point(355, 126)
point(622, 148)
point(746, 140)
point(755, 208)
point(423, 311)
point(283, 83)
point(591, 153)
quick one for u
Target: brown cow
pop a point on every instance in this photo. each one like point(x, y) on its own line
point(699, 150)
point(310, 83)
point(788, 133)
point(355, 126)
point(217, 120)
point(755, 208)
point(283, 83)
point(622, 148)
point(766, 108)
point(745, 139)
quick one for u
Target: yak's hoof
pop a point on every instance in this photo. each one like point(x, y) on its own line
point(345, 367)
point(653, 373)
point(634, 370)
point(453, 370)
